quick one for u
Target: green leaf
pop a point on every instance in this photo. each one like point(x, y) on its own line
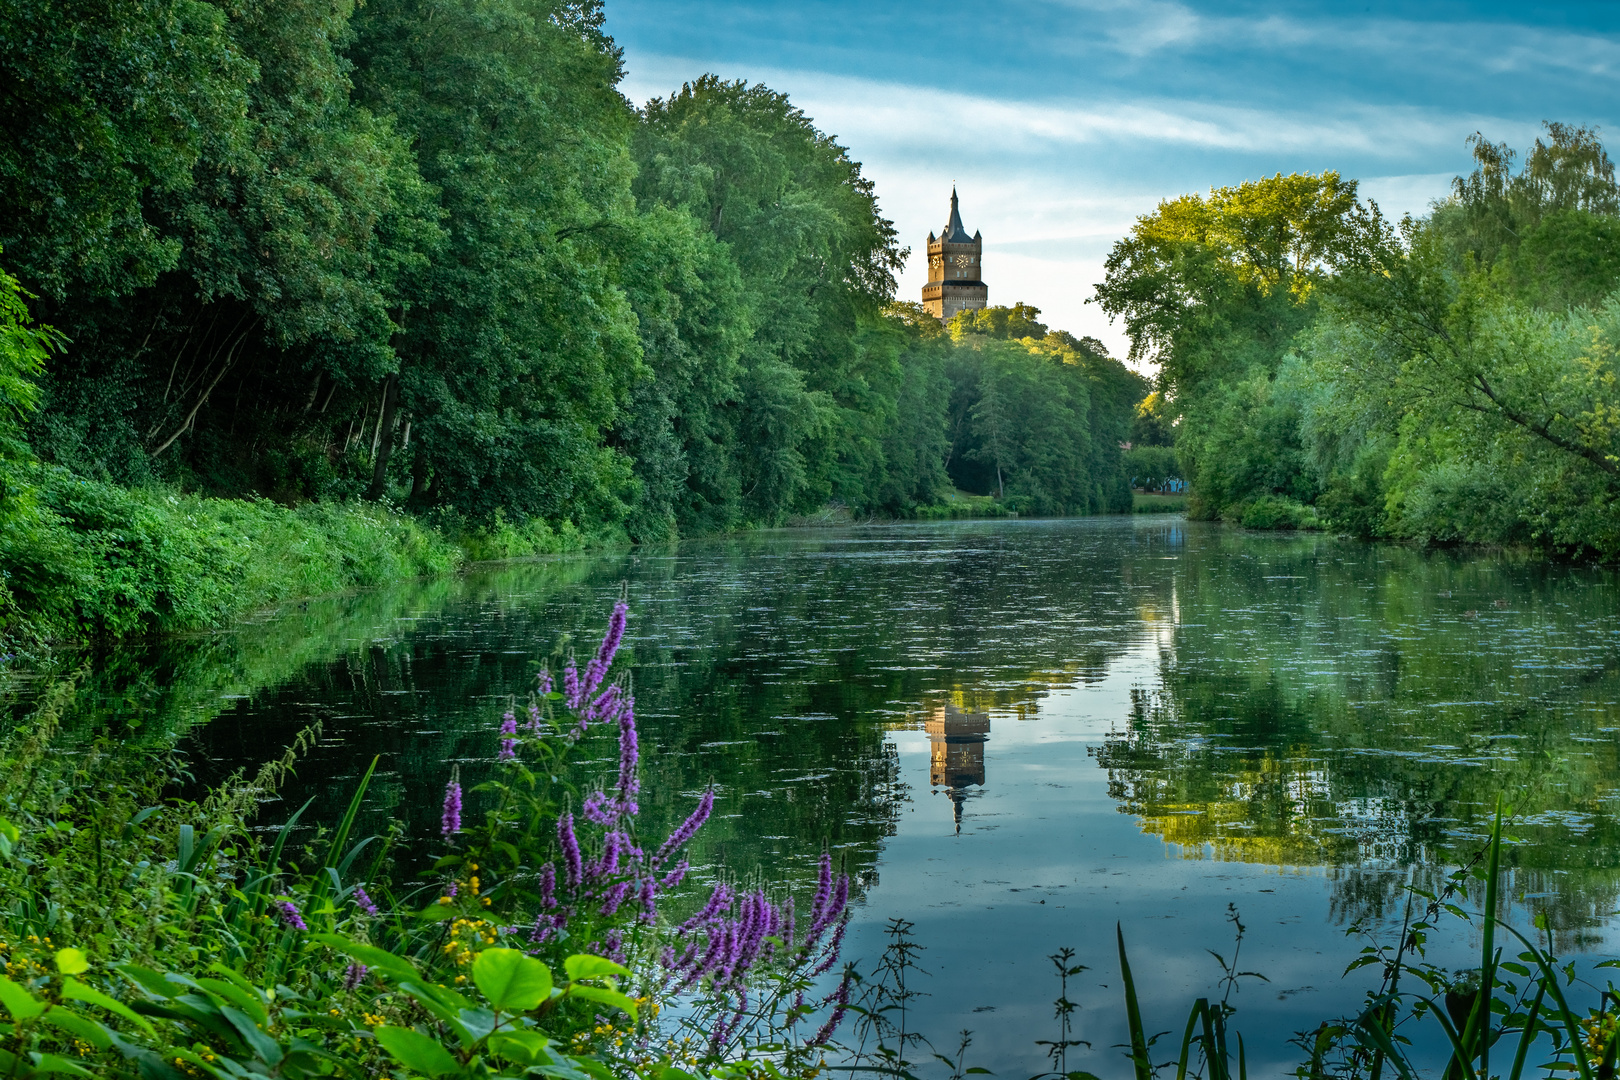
point(80, 1027)
point(268, 1050)
point(604, 996)
point(74, 990)
point(592, 967)
point(512, 981)
point(237, 996)
point(19, 1002)
point(416, 1051)
point(523, 1047)
point(50, 1063)
point(71, 962)
point(369, 955)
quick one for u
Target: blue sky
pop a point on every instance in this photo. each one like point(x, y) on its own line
point(1060, 121)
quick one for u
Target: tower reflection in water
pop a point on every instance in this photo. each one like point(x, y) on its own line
point(956, 753)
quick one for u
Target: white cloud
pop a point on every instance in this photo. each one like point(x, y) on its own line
point(937, 122)
point(1139, 28)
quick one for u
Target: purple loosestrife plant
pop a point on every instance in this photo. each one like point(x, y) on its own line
point(290, 916)
point(450, 818)
point(364, 902)
point(354, 975)
point(599, 883)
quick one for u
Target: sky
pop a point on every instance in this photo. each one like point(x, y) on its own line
point(1061, 121)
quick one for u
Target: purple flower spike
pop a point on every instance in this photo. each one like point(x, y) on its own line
point(534, 718)
point(599, 809)
point(548, 886)
point(675, 876)
point(688, 829)
point(545, 681)
point(570, 850)
point(599, 664)
point(450, 821)
point(571, 690)
point(840, 1003)
point(355, 975)
point(629, 758)
point(290, 918)
point(363, 901)
point(508, 737)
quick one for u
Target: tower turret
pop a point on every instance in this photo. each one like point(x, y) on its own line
point(955, 269)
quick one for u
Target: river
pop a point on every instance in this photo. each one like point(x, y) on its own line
point(1015, 735)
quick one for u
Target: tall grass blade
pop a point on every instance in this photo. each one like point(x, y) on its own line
point(1529, 1035)
point(1480, 1023)
point(1133, 1014)
point(341, 837)
point(1187, 1038)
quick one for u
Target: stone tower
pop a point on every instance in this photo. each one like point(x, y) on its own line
point(955, 265)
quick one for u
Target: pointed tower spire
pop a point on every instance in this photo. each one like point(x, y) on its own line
point(954, 232)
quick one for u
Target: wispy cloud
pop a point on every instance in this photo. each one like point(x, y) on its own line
point(1140, 28)
point(940, 122)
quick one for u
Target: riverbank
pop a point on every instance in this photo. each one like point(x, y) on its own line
point(91, 562)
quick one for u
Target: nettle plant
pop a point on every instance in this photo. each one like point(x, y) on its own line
point(185, 950)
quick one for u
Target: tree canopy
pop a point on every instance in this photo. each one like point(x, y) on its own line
point(425, 252)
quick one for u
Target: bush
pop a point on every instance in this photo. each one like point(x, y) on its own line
point(96, 561)
point(145, 937)
point(1273, 512)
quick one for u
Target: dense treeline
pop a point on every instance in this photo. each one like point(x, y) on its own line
point(1450, 378)
point(424, 253)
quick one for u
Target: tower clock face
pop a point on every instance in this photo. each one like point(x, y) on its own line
point(961, 260)
point(936, 261)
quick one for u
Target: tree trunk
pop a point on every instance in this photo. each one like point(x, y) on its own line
point(384, 442)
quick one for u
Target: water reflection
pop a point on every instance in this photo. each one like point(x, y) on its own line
point(956, 753)
point(1184, 716)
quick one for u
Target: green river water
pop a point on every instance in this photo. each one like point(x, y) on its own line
point(1014, 734)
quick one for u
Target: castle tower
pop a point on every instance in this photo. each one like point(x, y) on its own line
point(955, 270)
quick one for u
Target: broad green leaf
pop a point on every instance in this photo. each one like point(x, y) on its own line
point(369, 955)
point(512, 981)
point(268, 1049)
point(604, 996)
point(71, 962)
point(80, 1027)
point(592, 967)
point(478, 1022)
point(523, 1047)
point(416, 1051)
point(19, 1002)
point(50, 1063)
point(238, 997)
point(74, 990)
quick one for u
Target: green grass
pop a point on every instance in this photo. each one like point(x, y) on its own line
point(1152, 503)
point(961, 504)
point(92, 561)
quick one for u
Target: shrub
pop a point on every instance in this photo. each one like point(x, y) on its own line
point(94, 560)
point(1273, 512)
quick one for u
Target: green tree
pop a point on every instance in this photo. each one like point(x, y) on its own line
point(1213, 289)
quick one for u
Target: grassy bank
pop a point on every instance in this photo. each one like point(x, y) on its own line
point(963, 505)
point(89, 561)
point(1143, 502)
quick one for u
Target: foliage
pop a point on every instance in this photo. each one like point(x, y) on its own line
point(1448, 379)
point(1151, 466)
point(154, 937)
point(423, 252)
point(1038, 422)
point(99, 561)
